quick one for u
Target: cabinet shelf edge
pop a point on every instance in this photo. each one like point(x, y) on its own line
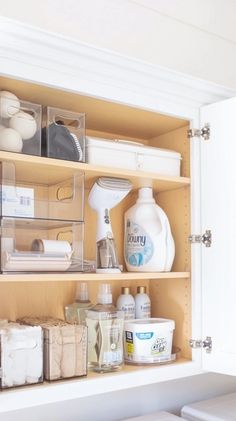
point(63, 277)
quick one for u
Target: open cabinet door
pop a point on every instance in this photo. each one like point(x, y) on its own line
point(218, 204)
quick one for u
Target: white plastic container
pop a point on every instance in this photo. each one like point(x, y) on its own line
point(132, 156)
point(148, 341)
point(148, 242)
point(126, 303)
point(221, 408)
point(155, 416)
point(142, 304)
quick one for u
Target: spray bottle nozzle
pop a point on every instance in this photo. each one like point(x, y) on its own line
point(104, 294)
point(82, 291)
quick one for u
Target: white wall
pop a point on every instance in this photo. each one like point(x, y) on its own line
point(194, 37)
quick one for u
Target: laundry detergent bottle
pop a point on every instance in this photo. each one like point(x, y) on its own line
point(148, 242)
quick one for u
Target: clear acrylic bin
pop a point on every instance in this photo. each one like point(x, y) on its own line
point(21, 356)
point(20, 125)
point(65, 347)
point(56, 198)
point(34, 245)
point(63, 135)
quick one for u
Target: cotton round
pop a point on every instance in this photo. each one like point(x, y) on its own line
point(9, 104)
point(24, 123)
point(10, 140)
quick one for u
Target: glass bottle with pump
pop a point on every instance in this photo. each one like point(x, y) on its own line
point(105, 333)
point(76, 312)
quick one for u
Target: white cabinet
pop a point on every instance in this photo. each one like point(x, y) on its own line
point(132, 100)
point(218, 181)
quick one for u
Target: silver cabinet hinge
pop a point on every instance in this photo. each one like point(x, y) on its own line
point(198, 343)
point(204, 132)
point(205, 239)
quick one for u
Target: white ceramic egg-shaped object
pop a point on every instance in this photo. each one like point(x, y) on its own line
point(10, 140)
point(24, 123)
point(9, 104)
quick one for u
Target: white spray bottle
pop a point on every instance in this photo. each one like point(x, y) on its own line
point(148, 242)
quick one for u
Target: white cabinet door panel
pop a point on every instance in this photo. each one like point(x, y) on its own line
point(218, 204)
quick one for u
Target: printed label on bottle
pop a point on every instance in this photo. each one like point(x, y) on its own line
point(145, 311)
point(129, 311)
point(138, 245)
point(112, 357)
point(111, 352)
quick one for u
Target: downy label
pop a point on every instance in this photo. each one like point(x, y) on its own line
point(138, 245)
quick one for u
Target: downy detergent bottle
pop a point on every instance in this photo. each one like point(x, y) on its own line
point(148, 242)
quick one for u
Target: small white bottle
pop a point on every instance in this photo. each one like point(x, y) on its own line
point(142, 304)
point(126, 303)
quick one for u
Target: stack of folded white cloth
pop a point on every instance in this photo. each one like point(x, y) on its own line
point(65, 347)
point(21, 354)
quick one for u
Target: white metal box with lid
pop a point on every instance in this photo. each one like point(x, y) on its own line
point(132, 155)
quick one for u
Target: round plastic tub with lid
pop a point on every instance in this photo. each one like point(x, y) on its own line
point(148, 341)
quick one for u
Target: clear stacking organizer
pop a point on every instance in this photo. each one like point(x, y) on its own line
point(55, 199)
point(35, 236)
point(21, 354)
point(63, 135)
point(20, 123)
point(34, 245)
point(65, 347)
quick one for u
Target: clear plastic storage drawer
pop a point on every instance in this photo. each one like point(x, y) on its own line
point(63, 135)
point(34, 245)
point(49, 196)
point(20, 125)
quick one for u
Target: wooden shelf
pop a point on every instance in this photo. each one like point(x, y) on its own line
point(53, 170)
point(63, 277)
point(94, 384)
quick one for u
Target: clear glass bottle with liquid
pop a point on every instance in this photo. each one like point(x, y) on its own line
point(105, 333)
point(76, 312)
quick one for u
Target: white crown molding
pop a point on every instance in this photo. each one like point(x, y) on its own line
point(30, 53)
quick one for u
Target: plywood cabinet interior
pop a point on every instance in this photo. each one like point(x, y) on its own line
point(48, 294)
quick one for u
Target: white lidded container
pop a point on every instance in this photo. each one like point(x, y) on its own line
point(220, 408)
point(132, 156)
point(148, 341)
point(155, 416)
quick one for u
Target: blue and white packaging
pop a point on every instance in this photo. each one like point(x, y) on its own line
point(148, 341)
point(17, 201)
